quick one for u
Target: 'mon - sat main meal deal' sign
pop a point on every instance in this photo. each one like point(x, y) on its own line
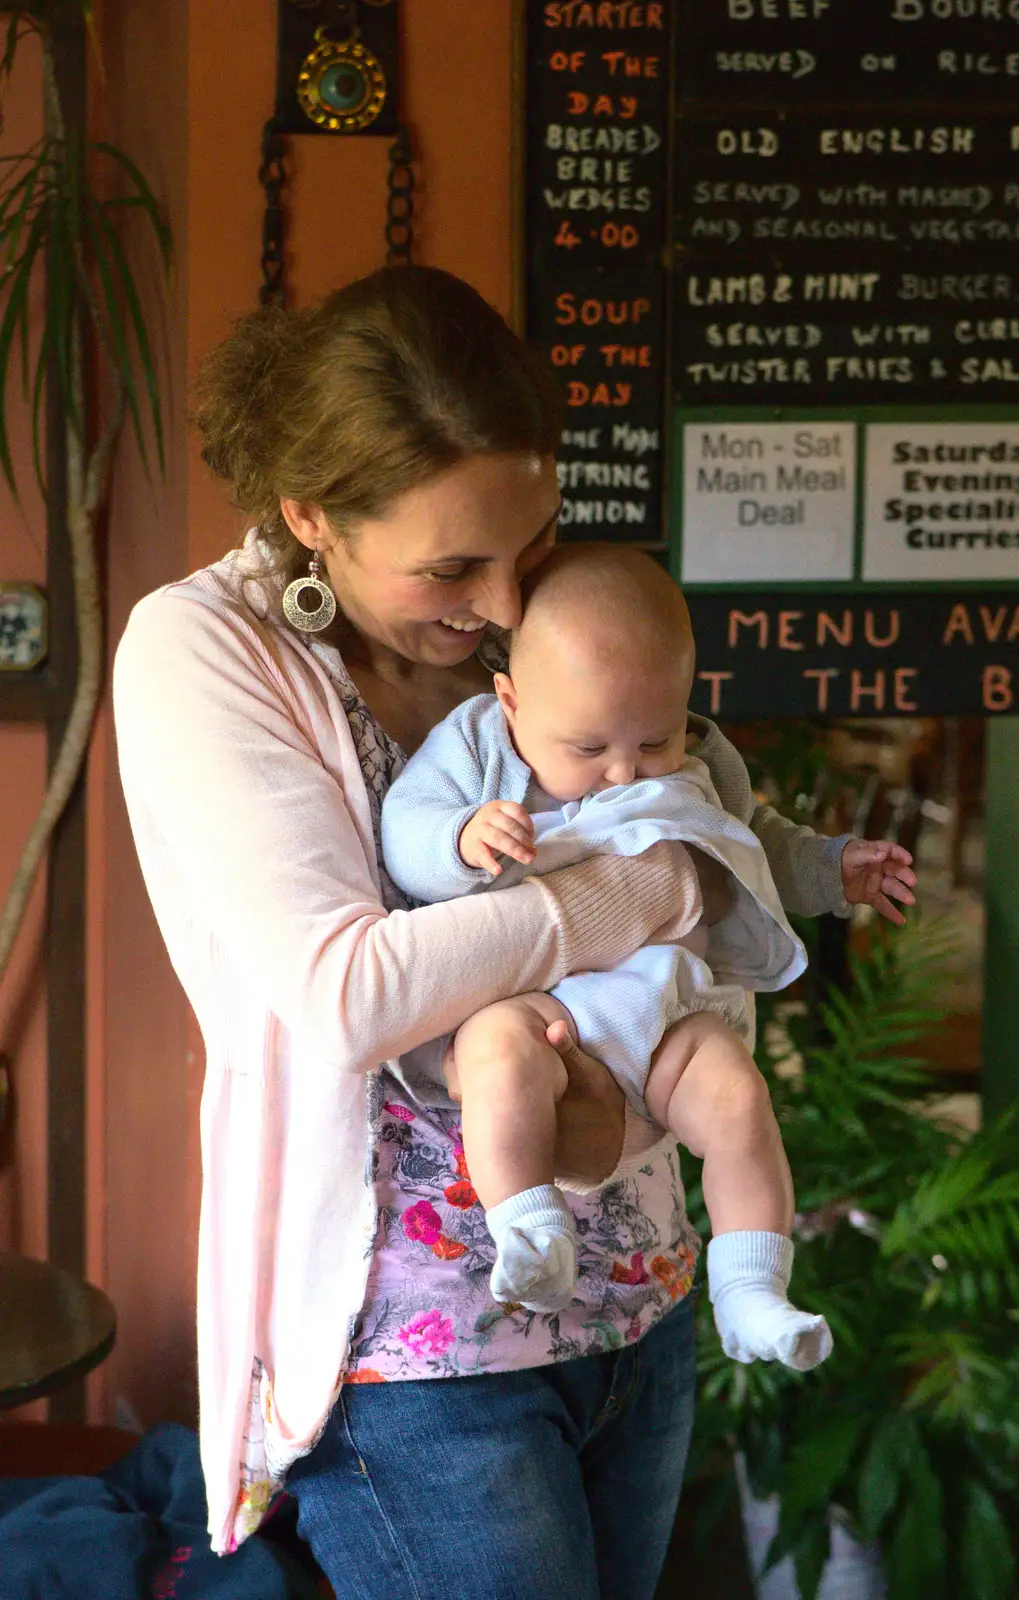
point(768, 502)
point(941, 502)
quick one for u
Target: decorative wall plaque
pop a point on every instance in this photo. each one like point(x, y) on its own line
point(23, 626)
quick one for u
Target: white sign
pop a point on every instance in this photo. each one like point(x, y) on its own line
point(772, 501)
point(942, 501)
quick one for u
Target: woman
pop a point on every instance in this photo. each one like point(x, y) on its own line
point(402, 438)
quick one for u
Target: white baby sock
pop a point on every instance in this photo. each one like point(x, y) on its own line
point(536, 1252)
point(748, 1275)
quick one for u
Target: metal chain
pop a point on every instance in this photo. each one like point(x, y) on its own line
point(272, 176)
point(344, 15)
point(400, 200)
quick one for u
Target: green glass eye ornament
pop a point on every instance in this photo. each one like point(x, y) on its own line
point(341, 87)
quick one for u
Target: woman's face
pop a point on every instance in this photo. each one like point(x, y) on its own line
point(448, 557)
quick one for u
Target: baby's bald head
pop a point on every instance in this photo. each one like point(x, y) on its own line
point(601, 669)
point(607, 606)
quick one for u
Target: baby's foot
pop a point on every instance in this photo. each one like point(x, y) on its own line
point(748, 1275)
point(760, 1324)
point(536, 1254)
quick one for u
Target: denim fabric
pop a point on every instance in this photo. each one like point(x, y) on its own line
point(551, 1483)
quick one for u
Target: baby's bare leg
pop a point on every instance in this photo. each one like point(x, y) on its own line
point(704, 1087)
point(509, 1079)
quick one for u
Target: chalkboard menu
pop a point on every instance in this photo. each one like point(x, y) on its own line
point(847, 202)
point(786, 232)
point(867, 256)
point(783, 52)
point(597, 202)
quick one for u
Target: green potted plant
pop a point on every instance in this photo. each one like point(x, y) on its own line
point(907, 1239)
point(67, 204)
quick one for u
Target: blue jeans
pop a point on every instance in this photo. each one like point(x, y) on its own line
point(554, 1483)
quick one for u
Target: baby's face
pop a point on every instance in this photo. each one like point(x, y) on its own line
point(581, 732)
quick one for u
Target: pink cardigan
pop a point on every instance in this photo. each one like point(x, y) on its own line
point(251, 821)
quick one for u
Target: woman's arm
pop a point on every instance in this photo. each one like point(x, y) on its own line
point(233, 809)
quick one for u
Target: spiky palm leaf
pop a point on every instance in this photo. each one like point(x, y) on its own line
point(51, 211)
point(55, 212)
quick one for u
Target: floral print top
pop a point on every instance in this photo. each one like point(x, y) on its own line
point(428, 1311)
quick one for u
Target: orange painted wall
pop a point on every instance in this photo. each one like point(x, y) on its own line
point(139, 1227)
point(195, 126)
point(456, 98)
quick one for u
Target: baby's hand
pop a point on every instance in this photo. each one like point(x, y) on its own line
point(874, 873)
point(500, 827)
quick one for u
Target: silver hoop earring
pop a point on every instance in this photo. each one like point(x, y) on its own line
point(308, 603)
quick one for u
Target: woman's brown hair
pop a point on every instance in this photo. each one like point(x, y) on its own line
point(347, 405)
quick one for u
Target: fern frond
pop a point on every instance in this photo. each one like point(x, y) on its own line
point(957, 1377)
point(968, 1210)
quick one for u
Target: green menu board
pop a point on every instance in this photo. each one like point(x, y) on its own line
point(772, 248)
point(844, 475)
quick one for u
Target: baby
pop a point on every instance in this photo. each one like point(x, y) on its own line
point(582, 749)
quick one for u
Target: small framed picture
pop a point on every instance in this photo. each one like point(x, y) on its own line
point(24, 612)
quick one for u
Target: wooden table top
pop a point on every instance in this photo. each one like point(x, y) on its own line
point(53, 1328)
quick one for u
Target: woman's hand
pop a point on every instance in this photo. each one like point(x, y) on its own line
point(590, 1116)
